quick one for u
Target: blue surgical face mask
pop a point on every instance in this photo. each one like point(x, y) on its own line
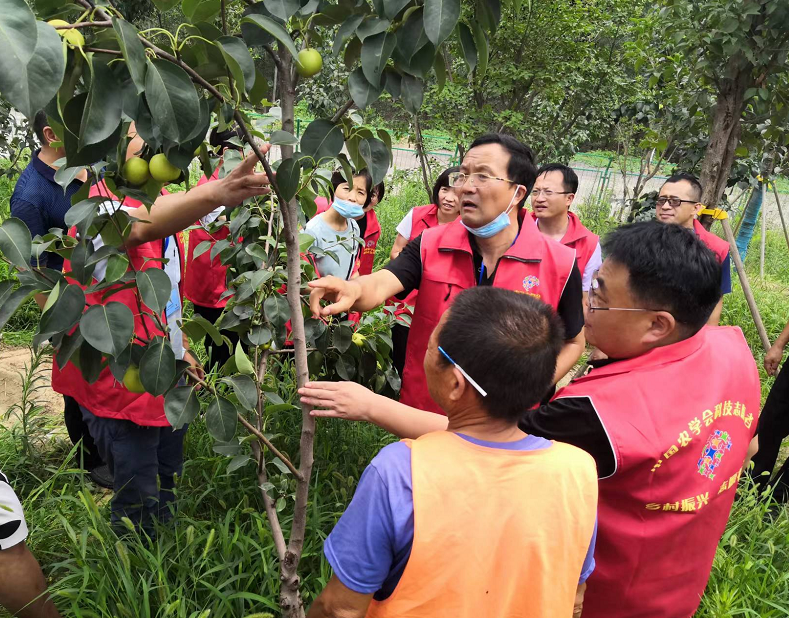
point(495, 226)
point(347, 209)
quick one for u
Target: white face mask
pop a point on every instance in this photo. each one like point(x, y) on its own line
point(497, 225)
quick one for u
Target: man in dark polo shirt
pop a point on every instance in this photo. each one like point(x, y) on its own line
point(42, 204)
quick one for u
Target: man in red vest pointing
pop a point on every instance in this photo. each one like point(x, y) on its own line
point(678, 203)
point(493, 243)
point(669, 446)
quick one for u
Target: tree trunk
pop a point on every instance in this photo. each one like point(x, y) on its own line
point(290, 596)
point(724, 134)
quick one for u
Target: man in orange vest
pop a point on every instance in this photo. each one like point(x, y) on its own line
point(678, 203)
point(493, 243)
point(472, 521)
point(551, 198)
point(669, 446)
point(131, 430)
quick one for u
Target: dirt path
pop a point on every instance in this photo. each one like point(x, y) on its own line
point(14, 362)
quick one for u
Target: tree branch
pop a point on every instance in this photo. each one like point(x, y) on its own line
point(85, 24)
point(341, 112)
point(268, 504)
point(97, 50)
point(270, 51)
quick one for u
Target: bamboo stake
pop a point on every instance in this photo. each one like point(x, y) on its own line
point(781, 214)
point(746, 287)
point(764, 229)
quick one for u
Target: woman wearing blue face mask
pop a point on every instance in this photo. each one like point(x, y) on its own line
point(335, 231)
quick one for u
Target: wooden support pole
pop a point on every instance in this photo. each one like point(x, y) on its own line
point(764, 229)
point(746, 287)
point(781, 214)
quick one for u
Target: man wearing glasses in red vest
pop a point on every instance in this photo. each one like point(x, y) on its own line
point(669, 445)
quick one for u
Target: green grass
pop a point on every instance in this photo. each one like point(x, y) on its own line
point(218, 556)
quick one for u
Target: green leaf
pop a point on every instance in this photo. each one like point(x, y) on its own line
point(345, 367)
point(412, 93)
point(165, 5)
point(372, 26)
point(172, 99)
point(481, 42)
point(201, 10)
point(221, 419)
point(89, 359)
point(750, 93)
point(181, 406)
point(376, 50)
point(102, 112)
point(108, 328)
point(363, 92)
point(239, 60)
point(276, 310)
point(15, 242)
point(211, 330)
point(246, 391)
point(344, 31)
point(411, 36)
point(237, 462)
point(155, 288)
point(64, 313)
point(288, 176)
point(132, 50)
point(376, 156)
point(14, 301)
point(243, 364)
point(467, 46)
point(68, 346)
point(284, 9)
point(392, 82)
point(117, 265)
point(31, 84)
point(283, 138)
point(80, 269)
point(280, 505)
point(84, 210)
point(274, 29)
point(259, 90)
point(157, 366)
point(341, 338)
point(440, 17)
point(393, 7)
point(322, 138)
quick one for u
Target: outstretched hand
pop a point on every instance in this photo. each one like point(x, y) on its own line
point(244, 182)
point(347, 400)
point(343, 294)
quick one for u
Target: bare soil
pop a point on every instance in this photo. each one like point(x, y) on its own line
point(14, 363)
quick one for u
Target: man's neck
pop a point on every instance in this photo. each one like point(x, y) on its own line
point(335, 220)
point(478, 424)
point(554, 227)
point(494, 247)
point(50, 155)
point(689, 223)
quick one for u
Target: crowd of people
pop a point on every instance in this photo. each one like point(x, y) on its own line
point(505, 497)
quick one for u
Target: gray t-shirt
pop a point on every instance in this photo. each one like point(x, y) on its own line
point(332, 244)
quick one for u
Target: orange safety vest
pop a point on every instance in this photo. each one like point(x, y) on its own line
point(497, 533)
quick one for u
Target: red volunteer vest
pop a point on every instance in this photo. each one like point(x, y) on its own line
point(107, 397)
point(679, 420)
point(716, 244)
point(364, 262)
point(205, 280)
point(423, 218)
point(579, 238)
point(533, 265)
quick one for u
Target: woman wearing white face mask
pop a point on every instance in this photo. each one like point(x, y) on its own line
point(335, 231)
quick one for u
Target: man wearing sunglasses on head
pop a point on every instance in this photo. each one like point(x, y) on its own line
point(670, 438)
point(492, 243)
point(678, 203)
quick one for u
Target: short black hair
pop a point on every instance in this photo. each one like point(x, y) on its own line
point(337, 179)
point(507, 342)
point(670, 269)
point(40, 121)
point(521, 168)
point(443, 181)
point(380, 191)
point(569, 177)
point(687, 177)
point(222, 138)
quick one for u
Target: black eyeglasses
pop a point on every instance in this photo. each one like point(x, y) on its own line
point(674, 202)
point(548, 192)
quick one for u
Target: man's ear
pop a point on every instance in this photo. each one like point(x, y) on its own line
point(49, 135)
point(663, 326)
point(698, 208)
point(458, 386)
